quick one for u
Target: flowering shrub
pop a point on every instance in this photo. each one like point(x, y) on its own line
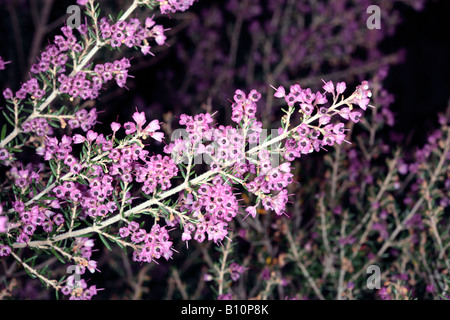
point(70, 189)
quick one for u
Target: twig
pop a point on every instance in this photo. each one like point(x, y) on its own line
point(342, 270)
point(302, 266)
point(48, 282)
point(179, 284)
point(221, 272)
point(142, 276)
point(323, 225)
point(373, 211)
point(335, 173)
point(41, 29)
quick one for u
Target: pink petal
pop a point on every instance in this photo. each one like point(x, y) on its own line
point(280, 92)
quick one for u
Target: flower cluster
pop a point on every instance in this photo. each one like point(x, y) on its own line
point(227, 143)
point(88, 84)
point(76, 287)
point(157, 171)
point(269, 181)
point(150, 246)
point(84, 119)
point(311, 138)
point(132, 33)
point(24, 177)
point(137, 127)
point(39, 126)
point(216, 205)
point(127, 163)
point(172, 6)
point(29, 87)
point(96, 200)
point(53, 59)
point(55, 148)
point(244, 108)
point(84, 247)
point(228, 147)
point(79, 290)
point(36, 219)
point(198, 128)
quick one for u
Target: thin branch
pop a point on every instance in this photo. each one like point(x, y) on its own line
point(302, 267)
point(221, 272)
point(48, 282)
point(342, 270)
point(179, 284)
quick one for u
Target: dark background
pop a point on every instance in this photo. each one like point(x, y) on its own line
point(422, 83)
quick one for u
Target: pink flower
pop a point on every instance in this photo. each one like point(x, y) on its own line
point(92, 266)
point(145, 49)
point(139, 118)
point(340, 87)
point(251, 211)
point(362, 103)
point(186, 236)
point(355, 116)
point(149, 22)
point(285, 167)
point(158, 136)
point(324, 119)
point(91, 135)
point(8, 94)
point(152, 126)
point(130, 127)
point(329, 86)
point(344, 113)
point(4, 154)
point(237, 116)
point(115, 126)
point(82, 2)
point(5, 251)
point(3, 224)
point(280, 92)
point(78, 138)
